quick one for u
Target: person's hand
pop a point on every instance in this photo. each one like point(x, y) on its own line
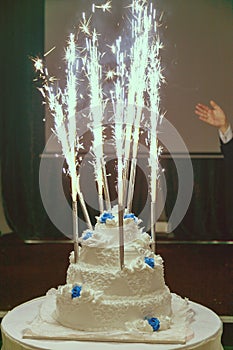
point(213, 115)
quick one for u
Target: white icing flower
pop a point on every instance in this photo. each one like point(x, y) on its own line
point(139, 326)
point(165, 322)
point(52, 291)
point(138, 264)
point(158, 260)
point(111, 222)
point(89, 295)
point(71, 257)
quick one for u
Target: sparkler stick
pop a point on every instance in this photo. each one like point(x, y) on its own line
point(105, 184)
point(131, 184)
point(75, 229)
point(153, 161)
point(119, 119)
point(83, 204)
point(140, 31)
point(155, 78)
point(132, 90)
point(118, 105)
point(71, 134)
point(134, 159)
point(153, 220)
point(69, 152)
point(121, 234)
point(94, 74)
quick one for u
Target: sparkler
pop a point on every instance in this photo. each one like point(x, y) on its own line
point(141, 27)
point(155, 78)
point(63, 108)
point(69, 138)
point(73, 139)
point(143, 76)
point(119, 107)
point(97, 106)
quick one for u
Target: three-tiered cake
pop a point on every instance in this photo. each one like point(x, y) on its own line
point(101, 296)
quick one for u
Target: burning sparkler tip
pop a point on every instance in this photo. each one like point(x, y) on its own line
point(110, 75)
point(38, 64)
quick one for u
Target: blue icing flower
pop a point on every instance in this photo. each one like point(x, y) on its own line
point(154, 323)
point(106, 216)
point(130, 216)
point(150, 261)
point(76, 291)
point(87, 235)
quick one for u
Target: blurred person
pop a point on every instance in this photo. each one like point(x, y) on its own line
point(215, 116)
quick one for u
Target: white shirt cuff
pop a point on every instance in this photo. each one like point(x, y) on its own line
point(227, 135)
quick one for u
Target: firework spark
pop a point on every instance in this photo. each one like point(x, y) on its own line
point(112, 48)
point(105, 7)
point(48, 52)
point(38, 64)
point(110, 75)
point(85, 25)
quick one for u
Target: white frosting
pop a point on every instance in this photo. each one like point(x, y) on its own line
point(112, 298)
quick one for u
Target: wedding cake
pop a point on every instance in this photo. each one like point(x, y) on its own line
point(101, 296)
point(105, 300)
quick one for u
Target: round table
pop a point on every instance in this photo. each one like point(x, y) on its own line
point(207, 329)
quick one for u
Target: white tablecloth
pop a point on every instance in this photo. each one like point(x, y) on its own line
point(207, 329)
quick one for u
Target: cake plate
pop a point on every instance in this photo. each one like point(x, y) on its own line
point(207, 328)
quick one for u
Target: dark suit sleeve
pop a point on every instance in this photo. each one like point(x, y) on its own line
point(227, 150)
